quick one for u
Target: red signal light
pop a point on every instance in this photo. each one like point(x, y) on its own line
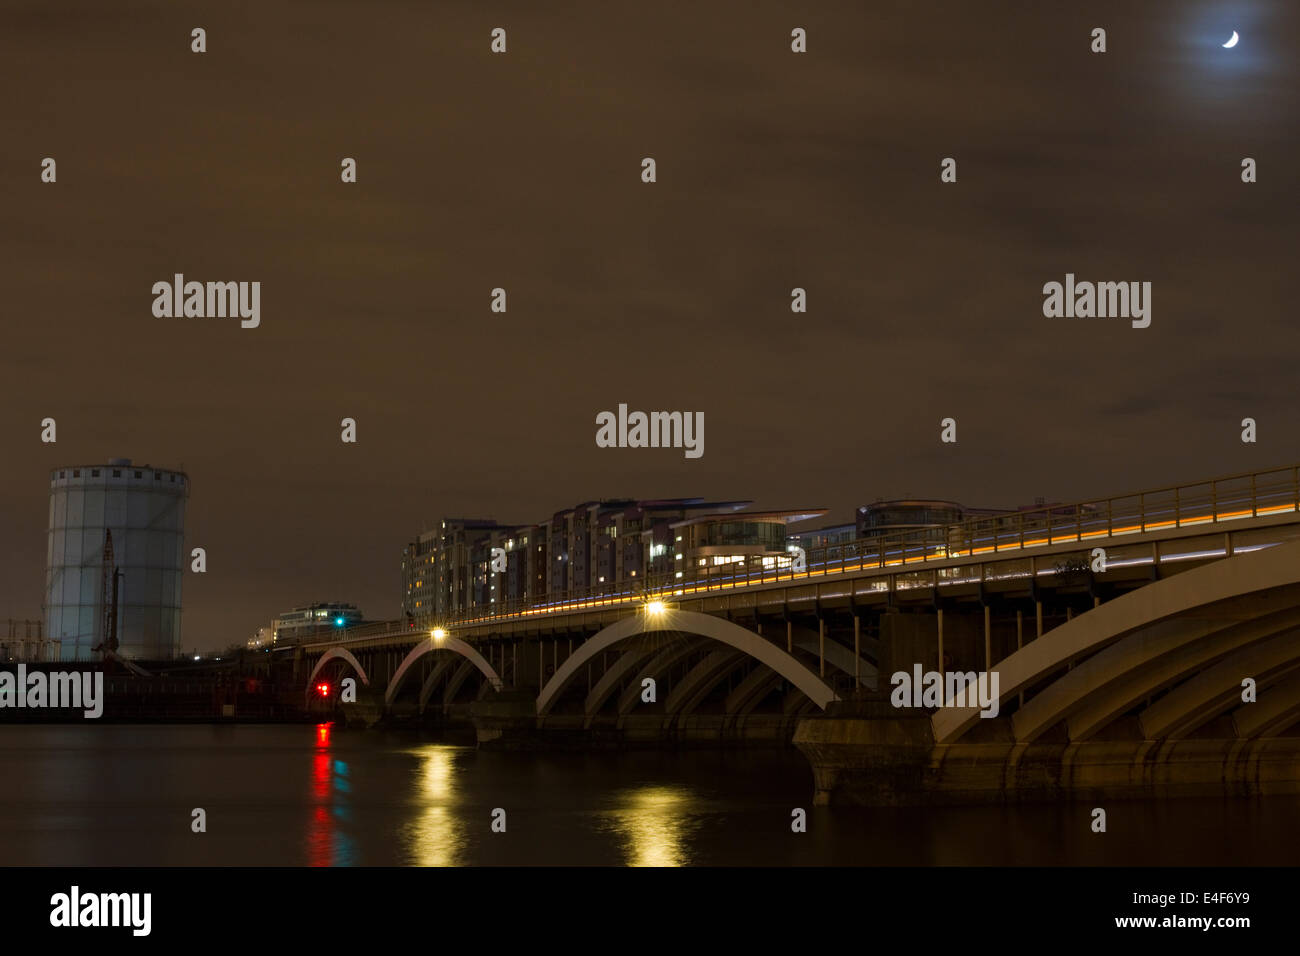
point(323, 689)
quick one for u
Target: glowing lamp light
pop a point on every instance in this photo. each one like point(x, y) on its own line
point(655, 607)
point(438, 634)
point(338, 622)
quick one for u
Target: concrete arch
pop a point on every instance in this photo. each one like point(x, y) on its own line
point(795, 704)
point(1142, 664)
point(659, 665)
point(627, 663)
point(1217, 689)
point(690, 622)
point(1239, 576)
point(751, 690)
point(337, 653)
point(458, 677)
point(448, 643)
point(431, 682)
point(1277, 709)
point(841, 658)
point(692, 689)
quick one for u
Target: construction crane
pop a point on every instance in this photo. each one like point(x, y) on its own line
point(108, 591)
point(110, 588)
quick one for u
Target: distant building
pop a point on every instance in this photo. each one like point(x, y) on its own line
point(816, 539)
point(292, 627)
point(30, 645)
point(1029, 518)
point(722, 545)
point(611, 546)
point(143, 509)
point(622, 547)
point(621, 541)
point(913, 520)
point(932, 521)
point(444, 571)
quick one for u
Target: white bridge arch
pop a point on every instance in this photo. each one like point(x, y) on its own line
point(333, 654)
point(446, 643)
point(689, 622)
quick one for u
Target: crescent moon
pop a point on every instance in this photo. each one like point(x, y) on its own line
point(1231, 43)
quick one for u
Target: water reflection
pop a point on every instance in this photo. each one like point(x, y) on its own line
point(317, 794)
point(434, 837)
point(328, 844)
point(653, 825)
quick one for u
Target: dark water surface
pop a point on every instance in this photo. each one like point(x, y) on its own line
point(293, 795)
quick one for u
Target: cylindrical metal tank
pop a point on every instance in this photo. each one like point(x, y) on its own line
point(144, 509)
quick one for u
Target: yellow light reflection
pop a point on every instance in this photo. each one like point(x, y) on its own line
point(434, 836)
point(652, 825)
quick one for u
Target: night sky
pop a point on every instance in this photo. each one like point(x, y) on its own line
point(522, 170)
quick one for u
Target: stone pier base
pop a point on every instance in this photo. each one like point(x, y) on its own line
point(886, 760)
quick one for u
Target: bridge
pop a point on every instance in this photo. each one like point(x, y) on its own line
point(1129, 620)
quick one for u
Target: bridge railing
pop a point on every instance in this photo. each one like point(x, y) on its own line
point(332, 635)
point(1209, 502)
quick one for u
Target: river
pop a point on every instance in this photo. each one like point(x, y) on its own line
point(293, 795)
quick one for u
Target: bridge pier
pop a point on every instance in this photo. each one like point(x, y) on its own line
point(368, 709)
point(507, 721)
point(873, 757)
